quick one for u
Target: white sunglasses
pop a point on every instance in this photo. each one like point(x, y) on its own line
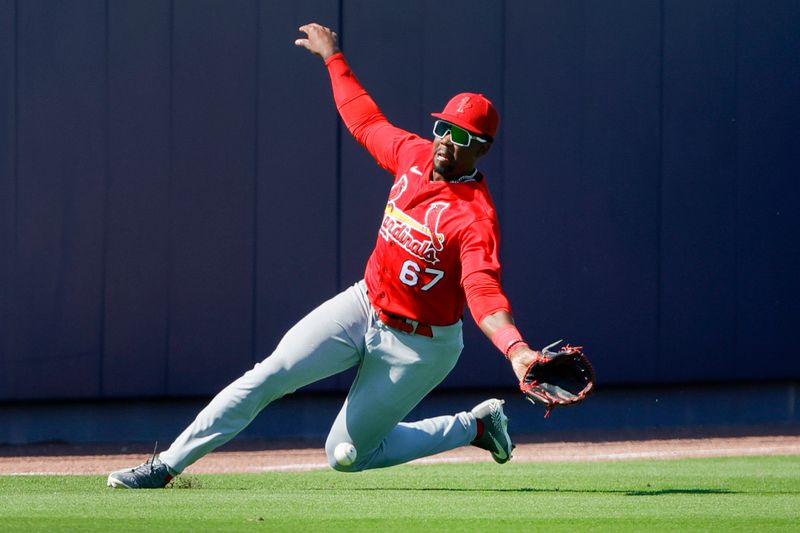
point(459, 136)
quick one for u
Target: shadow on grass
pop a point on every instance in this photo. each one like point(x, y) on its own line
point(664, 492)
point(641, 492)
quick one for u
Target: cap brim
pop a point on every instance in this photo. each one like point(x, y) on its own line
point(453, 119)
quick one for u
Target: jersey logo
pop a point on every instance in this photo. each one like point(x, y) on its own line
point(420, 239)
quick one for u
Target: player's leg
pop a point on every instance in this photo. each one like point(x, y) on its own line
point(327, 341)
point(398, 370)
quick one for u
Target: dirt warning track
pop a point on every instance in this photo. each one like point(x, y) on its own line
point(59, 459)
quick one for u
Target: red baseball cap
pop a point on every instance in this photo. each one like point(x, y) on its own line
point(473, 112)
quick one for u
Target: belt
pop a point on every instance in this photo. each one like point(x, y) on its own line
point(405, 325)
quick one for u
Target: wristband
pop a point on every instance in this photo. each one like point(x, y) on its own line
point(507, 337)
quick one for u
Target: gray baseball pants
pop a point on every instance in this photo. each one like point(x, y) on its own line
point(395, 371)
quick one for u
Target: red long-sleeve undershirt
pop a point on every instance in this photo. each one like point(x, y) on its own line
point(365, 121)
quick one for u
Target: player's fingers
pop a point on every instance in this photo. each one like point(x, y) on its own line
point(309, 29)
point(311, 26)
point(302, 42)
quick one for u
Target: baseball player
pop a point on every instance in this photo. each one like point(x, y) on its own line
point(436, 249)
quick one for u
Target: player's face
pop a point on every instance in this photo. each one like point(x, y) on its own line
point(451, 161)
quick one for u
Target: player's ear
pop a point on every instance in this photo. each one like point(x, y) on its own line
point(483, 149)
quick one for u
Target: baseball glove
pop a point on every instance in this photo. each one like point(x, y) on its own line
point(558, 379)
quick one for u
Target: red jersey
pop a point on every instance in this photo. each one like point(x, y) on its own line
point(434, 234)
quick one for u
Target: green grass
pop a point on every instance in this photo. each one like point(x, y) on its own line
point(730, 494)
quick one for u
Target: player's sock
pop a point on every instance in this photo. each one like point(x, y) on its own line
point(479, 433)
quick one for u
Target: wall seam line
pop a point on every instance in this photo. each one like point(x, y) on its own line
point(256, 171)
point(339, 238)
point(107, 185)
point(660, 195)
point(170, 180)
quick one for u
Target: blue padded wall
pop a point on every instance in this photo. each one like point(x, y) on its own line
point(176, 190)
point(138, 222)
point(60, 145)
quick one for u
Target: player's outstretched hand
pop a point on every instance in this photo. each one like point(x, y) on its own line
point(521, 359)
point(320, 41)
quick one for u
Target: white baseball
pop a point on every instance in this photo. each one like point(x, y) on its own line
point(345, 453)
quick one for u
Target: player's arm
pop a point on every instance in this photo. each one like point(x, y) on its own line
point(480, 279)
point(500, 329)
point(491, 311)
point(358, 110)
